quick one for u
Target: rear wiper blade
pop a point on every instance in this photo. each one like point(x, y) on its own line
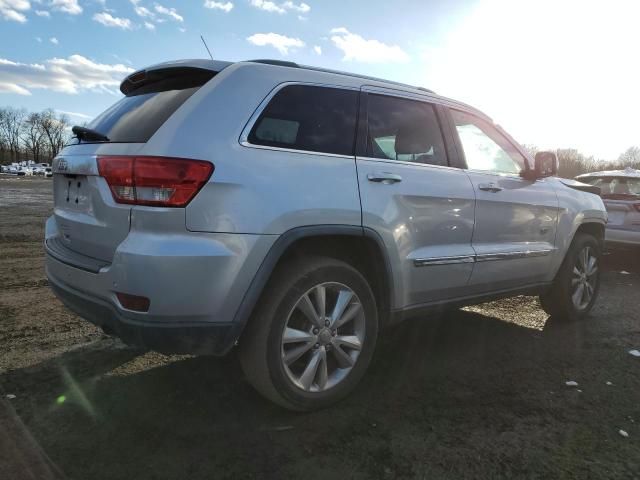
point(84, 133)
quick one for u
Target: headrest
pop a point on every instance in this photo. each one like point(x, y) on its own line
point(411, 140)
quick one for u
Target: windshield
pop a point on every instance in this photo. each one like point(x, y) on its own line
point(615, 187)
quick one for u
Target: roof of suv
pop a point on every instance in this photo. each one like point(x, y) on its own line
point(219, 65)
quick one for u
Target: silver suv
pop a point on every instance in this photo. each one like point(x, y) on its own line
point(294, 211)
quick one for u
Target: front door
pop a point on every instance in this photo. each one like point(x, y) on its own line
point(422, 208)
point(515, 219)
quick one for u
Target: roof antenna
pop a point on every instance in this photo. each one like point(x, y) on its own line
point(205, 46)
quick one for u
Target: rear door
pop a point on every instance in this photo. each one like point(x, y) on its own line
point(88, 219)
point(515, 219)
point(421, 206)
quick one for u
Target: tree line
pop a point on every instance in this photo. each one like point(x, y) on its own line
point(37, 136)
point(572, 163)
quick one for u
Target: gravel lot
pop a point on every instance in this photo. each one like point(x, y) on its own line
point(478, 393)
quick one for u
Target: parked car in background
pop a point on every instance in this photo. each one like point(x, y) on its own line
point(48, 173)
point(620, 191)
point(317, 208)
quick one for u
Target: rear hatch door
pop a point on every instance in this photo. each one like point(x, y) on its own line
point(89, 220)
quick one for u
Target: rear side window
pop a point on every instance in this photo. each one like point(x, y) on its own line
point(406, 130)
point(310, 118)
point(137, 116)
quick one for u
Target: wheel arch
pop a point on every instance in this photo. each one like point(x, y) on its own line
point(596, 229)
point(361, 247)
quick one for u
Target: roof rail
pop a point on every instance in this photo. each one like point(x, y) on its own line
point(284, 63)
point(425, 89)
point(280, 63)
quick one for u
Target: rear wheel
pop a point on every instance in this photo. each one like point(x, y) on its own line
point(577, 283)
point(312, 335)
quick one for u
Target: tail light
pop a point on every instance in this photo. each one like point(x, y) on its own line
point(637, 206)
point(154, 181)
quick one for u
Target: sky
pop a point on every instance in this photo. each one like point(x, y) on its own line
point(554, 73)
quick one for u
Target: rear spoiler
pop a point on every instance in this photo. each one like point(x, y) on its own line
point(183, 74)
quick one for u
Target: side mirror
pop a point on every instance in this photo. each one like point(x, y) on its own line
point(546, 165)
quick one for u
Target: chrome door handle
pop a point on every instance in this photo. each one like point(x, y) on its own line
point(384, 177)
point(489, 187)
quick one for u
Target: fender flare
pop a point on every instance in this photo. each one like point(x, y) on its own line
point(275, 253)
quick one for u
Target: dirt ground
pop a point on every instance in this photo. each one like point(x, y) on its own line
point(478, 393)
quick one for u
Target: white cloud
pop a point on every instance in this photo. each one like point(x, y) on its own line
point(279, 42)
point(66, 6)
point(12, 10)
point(43, 13)
point(12, 87)
point(109, 20)
point(54, 40)
point(149, 26)
point(317, 49)
point(225, 7)
point(84, 116)
point(269, 6)
point(359, 49)
point(68, 75)
point(170, 12)
point(301, 7)
point(182, 29)
point(38, 39)
point(142, 11)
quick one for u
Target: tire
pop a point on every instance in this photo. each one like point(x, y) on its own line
point(560, 300)
point(264, 355)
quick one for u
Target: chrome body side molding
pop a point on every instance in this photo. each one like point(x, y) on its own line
point(486, 257)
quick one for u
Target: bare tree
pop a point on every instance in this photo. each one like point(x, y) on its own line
point(55, 130)
point(630, 158)
point(33, 136)
point(4, 143)
point(572, 163)
point(10, 127)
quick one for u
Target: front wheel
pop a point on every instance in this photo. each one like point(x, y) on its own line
point(576, 287)
point(312, 335)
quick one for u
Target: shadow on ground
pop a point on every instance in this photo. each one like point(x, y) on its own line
point(463, 395)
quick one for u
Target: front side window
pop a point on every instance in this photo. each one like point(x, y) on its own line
point(406, 130)
point(311, 118)
point(484, 147)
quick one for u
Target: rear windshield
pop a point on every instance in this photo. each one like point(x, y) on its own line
point(137, 116)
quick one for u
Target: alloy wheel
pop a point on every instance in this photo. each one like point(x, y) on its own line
point(323, 337)
point(584, 278)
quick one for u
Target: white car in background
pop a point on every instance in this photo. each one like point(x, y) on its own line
point(620, 192)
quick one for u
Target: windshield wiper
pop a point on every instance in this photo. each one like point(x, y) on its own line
point(84, 133)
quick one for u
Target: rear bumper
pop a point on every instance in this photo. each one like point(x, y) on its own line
point(195, 283)
point(614, 236)
point(197, 339)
